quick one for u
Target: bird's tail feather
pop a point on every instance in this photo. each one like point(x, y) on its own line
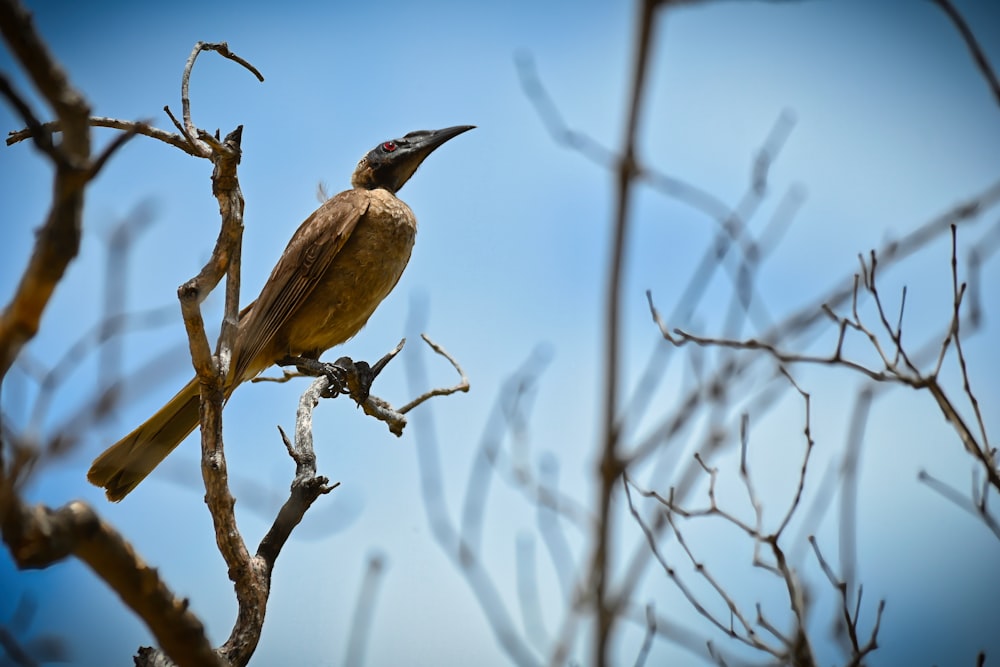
point(127, 462)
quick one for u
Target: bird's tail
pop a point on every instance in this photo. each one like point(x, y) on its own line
point(127, 462)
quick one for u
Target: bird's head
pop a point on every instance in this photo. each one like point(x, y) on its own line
point(390, 164)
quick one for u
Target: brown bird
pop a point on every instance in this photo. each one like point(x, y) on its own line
point(341, 262)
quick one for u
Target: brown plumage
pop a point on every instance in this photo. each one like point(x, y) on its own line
point(337, 268)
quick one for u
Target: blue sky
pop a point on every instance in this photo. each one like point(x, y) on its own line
point(893, 126)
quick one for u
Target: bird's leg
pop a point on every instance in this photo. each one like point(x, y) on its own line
point(305, 365)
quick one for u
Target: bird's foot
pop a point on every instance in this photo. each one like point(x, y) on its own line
point(346, 376)
point(350, 377)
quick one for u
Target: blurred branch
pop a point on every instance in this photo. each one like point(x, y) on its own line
point(363, 612)
point(977, 506)
point(29, 651)
point(850, 475)
point(463, 555)
point(39, 536)
point(103, 337)
point(509, 418)
point(719, 389)
point(58, 240)
point(602, 156)
point(734, 232)
point(528, 593)
point(731, 221)
point(647, 641)
point(596, 580)
point(550, 528)
point(973, 45)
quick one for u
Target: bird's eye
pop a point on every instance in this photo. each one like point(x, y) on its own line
point(389, 146)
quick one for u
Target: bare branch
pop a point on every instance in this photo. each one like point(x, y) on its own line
point(745, 634)
point(189, 130)
point(956, 321)
point(463, 383)
point(810, 445)
point(850, 617)
point(307, 486)
point(906, 372)
point(128, 126)
point(465, 559)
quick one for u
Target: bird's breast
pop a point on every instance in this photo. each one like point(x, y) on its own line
point(361, 275)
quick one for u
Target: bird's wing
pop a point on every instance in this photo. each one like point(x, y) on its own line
point(306, 258)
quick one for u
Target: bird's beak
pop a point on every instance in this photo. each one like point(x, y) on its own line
point(412, 150)
point(427, 142)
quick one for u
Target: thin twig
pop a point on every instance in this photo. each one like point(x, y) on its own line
point(462, 385)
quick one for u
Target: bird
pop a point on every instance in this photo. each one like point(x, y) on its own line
point(339, 265)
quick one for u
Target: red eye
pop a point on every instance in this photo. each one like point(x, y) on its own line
point(389, 146)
